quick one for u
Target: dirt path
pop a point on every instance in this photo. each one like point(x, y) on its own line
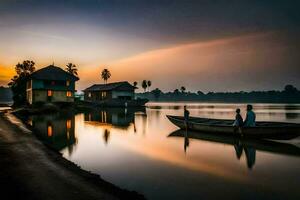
point(29, 170)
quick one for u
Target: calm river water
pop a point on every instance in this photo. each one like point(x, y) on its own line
point(140, 150)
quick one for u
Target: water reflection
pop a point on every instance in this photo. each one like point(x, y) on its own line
point(55, 130)
point(130, 148)
point(116, 117)
point(249, 152)
point(240, 145)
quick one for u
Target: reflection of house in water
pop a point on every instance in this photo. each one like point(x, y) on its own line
point(117, 117)
point(55, 130)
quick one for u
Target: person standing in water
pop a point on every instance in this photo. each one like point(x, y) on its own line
point(186, 115)
point(250, 117)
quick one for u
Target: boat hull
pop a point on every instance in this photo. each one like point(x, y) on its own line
point(262, 130)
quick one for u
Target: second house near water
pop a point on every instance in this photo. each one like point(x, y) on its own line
point(101, 92)
point(51, 84)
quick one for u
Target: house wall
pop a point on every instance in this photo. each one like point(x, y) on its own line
point(57, 85)
point(57, 96)
point(29, 91)
point(37, 84)
point(96, 96)
point(118, 94)
point(37, 91)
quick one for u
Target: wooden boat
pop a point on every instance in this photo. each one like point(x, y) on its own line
point(276, 130)
point(258, 144)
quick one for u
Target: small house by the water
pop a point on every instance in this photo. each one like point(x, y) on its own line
point(111, 91)
point(51, 84)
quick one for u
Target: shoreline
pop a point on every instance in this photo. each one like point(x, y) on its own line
point(31, 170)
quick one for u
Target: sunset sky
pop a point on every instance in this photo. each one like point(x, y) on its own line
point(203, 45)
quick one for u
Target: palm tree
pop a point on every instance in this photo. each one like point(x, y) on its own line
point(182, 89)
point(134, 83)
point(149, 84)
point(105, 75)
point(72, 69)
point(144, 85)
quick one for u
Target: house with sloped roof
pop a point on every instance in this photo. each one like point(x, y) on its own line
point(110, 91)
point(51, 84)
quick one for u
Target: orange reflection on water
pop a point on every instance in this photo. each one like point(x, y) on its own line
point(144, 151)
point(152, 142)
point(69, 124)
point(49, 130)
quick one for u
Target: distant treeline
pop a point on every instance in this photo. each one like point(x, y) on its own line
point(5, 95)
point(290, 94)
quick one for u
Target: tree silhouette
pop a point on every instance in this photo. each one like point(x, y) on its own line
point(149, 84)
point(200, 93)
point(176, 92)
point(135, 83)
point(18, 82)
point(144, 85)
point(290, 89)
point(157, 92)
point(72, 69)
point(182, 89)
point(105, 75)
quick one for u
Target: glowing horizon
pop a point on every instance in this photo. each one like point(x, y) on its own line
point(181, 47)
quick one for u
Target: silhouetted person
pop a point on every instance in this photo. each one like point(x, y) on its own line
point(250, 117)
point(238, 119)
point(186, 141)
point(238, 150)
point(250, 156)
point(186, 115)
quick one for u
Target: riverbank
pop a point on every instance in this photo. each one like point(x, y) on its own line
point(30, 170)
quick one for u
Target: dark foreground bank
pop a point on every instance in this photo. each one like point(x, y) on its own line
point(29, 170)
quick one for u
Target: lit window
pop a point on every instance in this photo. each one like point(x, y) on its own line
point(69, 93)
point(49, 131)
point(50, 93)
point(69, 124)
point(67, 83)
point(90, 94)
point(103, 94)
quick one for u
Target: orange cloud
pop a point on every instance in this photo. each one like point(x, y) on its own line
point(6, 73)
point(222, 63)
